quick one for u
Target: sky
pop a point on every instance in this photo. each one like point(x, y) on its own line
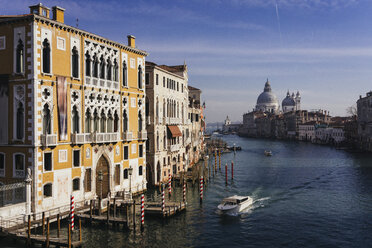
point(322, 48)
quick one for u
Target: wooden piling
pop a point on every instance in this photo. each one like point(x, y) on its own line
point(43, 223)
point(91, 211)
point(69, 236)
point(47, 237)
point(134, 214)
point(114, 207)
point(219, 158)
point(108, 213)
point(226, 173)
point(127, 216)
point(232, 170)
point(80, 236)
point(58, 225)
point(99, 206)
point(29, 231)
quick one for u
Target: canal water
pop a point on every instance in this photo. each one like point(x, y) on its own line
point(304, 195)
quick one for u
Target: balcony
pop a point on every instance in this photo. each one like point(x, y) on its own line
point(103, 83)
point(174, 148)
point(79, 138)
point(105, 137)
point(48, 140)
point(142, 135)
point(127, 136)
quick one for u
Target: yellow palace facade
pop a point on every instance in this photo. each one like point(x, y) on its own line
point(72, 105)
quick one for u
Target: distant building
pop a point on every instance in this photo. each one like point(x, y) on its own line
point(267, 101)
point(291, 102)
point(364, 109)
point(307, 131)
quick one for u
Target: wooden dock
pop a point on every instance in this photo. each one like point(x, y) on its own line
point(44, 241)
point(103, 219)
point(171, 208)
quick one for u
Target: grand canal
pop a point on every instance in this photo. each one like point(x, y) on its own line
point(305, 196)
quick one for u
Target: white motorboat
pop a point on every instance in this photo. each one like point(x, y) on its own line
point(268, 153)
point(235, 204)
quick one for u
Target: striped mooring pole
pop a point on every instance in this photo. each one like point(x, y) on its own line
point(162, 200)
point(184, 191)
point(226, 173)
point(142, 211)
point(232, 170)
point(219, 159)
point(72, 212)
point(170, 185)
point(201, 189)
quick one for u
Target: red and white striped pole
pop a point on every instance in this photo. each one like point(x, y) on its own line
point(201, 189)
point(72, 212)
point(170, 185)
point(163, 200)
point(142, 211)
point(184, 191)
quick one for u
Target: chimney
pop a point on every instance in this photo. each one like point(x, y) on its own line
point(131, 41)
point(40, 9)
point(58, 14)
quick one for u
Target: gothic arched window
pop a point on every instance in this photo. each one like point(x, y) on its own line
point(139, 121)
point(95, 121)
point(125, 79)
point(115, 71)
point(95, 66)
point(88, 118)
point(109, 70)
point(103, 122)
point(75, 120)
point(87, 64)
point(140, 77)
point(75, 63)
point(20, 121)
point(46, 120)
point(102, 68)
point(46, 56)
point(116, 122)
point(19, 57)
point(125, 120)
point(110, 121)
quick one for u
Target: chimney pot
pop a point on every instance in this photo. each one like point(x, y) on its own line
point(131, 41)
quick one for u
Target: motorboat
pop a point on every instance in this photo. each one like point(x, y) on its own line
point(268, 153)
point(235, 204)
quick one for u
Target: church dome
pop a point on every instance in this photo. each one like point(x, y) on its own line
point(267, 100)
point(288, 101)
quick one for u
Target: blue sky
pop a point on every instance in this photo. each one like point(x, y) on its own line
point(321, 48)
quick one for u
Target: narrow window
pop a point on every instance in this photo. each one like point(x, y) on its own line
point(46, 56)
point(95, 121)
point(76, 184)
point(46, 120)
point(164, 82)
point(87, 64)
point(116, 122)
point(115, 73)
point(103, 122)
point(147, 79)
point(140, 121)
point(47, 161)
point(125, 174)
point(76, 158)
point(19, 57)
point(157, 79)
point(109, 70)
point(88, 117)
point(117, 174)
point(140, 150)
point(19, 165)
point(140, 172)
point(126, 152)
point(2, 164)
point(95, 66)
point(125, 120)
point(140, 77)
point(110, 122)
point(75, 63)
point(47, 190)
point(125, 81)
point(88, 180)
point(20, 122)
point(102, 68)
point(75, 120)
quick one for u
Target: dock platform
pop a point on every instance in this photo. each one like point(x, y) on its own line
point(171, 208)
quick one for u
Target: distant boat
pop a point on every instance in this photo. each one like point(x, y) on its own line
point(268, 153)
point(235, 204)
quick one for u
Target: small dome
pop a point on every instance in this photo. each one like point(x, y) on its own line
point(288, 100)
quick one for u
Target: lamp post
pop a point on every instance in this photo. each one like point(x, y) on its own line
point(130, 171)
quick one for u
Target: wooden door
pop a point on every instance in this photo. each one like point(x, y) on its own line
point(102, 186)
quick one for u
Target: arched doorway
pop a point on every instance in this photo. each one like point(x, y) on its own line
point(102, 177)
point(149, 174)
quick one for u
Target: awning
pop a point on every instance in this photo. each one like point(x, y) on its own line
point(175, 131)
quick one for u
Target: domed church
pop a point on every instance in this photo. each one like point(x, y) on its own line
point(291, 102)
point(267, 101)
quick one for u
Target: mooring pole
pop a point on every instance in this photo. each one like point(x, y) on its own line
point(29, 231)
point(215, 161)
point(142, 212)
point(184, 191)
point(232, 170)
point(226, 173)
point(69, 236)
point(47, 237)
point(201, 189)
point(43, 220)
point(91, 211)
point(58, 225)
point(163, 201)
point(170, 185)
point(219, 158)
point(108, 213)
point(134, 215)
point(72, 212)
point(80, 236)
point(114, 207)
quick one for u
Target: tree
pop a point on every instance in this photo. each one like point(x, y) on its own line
point(352, 110)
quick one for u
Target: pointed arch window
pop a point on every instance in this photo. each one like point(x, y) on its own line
point(87, 64)
point(20, 121)
point(109, 70)
point(125, 76)
point(20, 57)
point(95, 66)
point(125, 120)
point(75, 120)
point(88, 117)
point(75, 63)
point(46, 120)
point(140, 77)
point(157, 142)
point(95, 121)
point(110, 122)
point(102, 68)
point(140, 121)
point(46, 56)
point(116, 122)
point(115, 71)
point(103, 122)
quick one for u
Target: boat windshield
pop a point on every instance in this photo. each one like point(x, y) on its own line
point(229, 203)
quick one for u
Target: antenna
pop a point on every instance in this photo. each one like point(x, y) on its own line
point(77, 22)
